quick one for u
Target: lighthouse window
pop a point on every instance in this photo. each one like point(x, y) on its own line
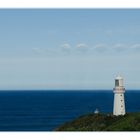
point(116, 82)
point(121, 106)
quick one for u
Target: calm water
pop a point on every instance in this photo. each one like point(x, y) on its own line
point(46, 110)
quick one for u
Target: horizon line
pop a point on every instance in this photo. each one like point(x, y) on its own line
point(61, 89)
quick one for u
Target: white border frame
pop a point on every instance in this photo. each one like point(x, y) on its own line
point(69, 4)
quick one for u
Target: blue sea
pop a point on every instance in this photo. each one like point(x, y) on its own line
point(47, 110)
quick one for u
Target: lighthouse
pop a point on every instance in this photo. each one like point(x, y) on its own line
point(119, 102)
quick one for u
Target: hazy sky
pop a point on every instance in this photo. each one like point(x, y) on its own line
point(69, 49)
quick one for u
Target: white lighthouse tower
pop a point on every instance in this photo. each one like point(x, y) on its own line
point(119, 102)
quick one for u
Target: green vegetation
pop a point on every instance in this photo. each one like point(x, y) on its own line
point(103, 122)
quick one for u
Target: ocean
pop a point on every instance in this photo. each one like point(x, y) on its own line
point(47, 110)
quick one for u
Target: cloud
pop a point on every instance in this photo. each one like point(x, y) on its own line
point(66, 46)
point(120, 47)
point(100, 48)
point(135, 47)
point(126, 48)
point(81, 47)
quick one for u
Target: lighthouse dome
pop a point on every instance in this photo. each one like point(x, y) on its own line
point(119, 77)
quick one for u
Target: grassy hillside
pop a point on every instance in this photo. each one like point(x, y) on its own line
point(103, 122)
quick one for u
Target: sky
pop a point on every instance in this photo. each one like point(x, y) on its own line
point(69, 48)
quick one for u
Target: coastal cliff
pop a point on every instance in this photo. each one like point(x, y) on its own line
point(103, 122)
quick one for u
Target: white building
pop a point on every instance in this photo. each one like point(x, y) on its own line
point(96, 111)
point(119, 102)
